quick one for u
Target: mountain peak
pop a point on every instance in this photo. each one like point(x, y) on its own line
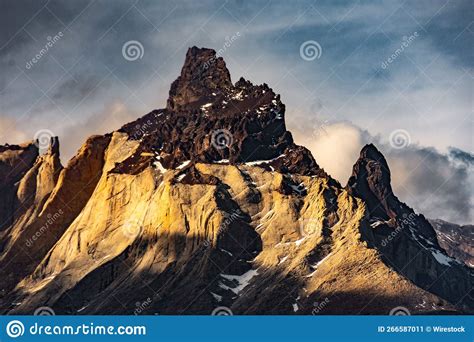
point(53, 148)
point(202, 74)
point(371, 181)
point(371, 152)
point(208, 119)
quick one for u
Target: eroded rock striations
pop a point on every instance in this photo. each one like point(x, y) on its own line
point(209, 203)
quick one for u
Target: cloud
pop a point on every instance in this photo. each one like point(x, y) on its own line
point(334, 146)
point(465, 159)
point(10, 133)
point(435, 184)
point(74, 90)
point(110, 118)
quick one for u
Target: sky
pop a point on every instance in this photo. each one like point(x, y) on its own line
point(396, 73)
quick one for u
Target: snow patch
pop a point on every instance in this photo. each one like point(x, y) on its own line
point(258, 162)
point(207, 105)
point(159, 166)
point(183, 165)
point(238, 96)
point(300, 241)
point(216, 297)
point(377, 223)
point(315, 266)
point(441, 258)
point(226, 251)
point(222, 161)
point(243, 280)
point(82, 309)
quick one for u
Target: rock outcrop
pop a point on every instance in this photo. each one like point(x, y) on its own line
point(456, 240)
point(208, 119)
point(407, 241)
point(15, 161)
point(209, 203)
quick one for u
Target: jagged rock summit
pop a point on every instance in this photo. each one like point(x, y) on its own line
point(203, 74)
point(209, 119)
point(209, 203)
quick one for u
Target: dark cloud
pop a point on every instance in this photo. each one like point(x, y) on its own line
point(13, 16)
point(465, 158)
point(432, 182)
point(74, 90)
point(451, 30)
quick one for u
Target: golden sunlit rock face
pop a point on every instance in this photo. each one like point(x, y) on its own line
point(133, 220)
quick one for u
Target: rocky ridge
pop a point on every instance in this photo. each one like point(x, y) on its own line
point(456, 240)
point(209, 203)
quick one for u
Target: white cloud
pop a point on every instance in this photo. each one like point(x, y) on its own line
point(334, 146)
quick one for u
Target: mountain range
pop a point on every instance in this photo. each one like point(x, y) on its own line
point(208, 206)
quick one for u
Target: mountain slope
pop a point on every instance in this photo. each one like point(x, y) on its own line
point(209, 203)
point(456, 240)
